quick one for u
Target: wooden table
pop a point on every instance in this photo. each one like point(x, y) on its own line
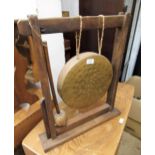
point(26, 120)
point(101, 140)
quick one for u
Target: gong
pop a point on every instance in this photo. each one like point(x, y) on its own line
point(86, 77)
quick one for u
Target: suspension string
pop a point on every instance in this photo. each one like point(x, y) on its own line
point(100, 36)
point(78, 39)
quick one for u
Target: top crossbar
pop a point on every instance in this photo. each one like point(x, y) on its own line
point(70, 24)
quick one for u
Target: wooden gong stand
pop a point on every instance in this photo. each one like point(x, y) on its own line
point(84, 121)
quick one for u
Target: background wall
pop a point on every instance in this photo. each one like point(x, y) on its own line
point(71, 5)
point(24, 8)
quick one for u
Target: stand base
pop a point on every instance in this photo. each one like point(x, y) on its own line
point(70, 134)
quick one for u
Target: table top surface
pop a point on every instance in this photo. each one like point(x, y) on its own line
point(101, 140)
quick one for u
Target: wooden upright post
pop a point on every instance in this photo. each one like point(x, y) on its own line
point(38, 49)
point(46, 57)
point(118, 51)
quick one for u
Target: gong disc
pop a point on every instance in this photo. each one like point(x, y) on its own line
point(84, 81)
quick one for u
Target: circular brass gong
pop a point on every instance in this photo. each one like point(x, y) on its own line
point(84, 81)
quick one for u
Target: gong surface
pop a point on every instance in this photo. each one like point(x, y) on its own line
point(84, 81)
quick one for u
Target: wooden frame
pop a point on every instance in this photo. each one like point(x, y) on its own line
point(55, 136)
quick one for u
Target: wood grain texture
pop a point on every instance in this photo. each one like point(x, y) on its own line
point(50, 76)
point(43, 74)
point(101, 140)
point(49, 144)
point(33, 59)
point(21, 94)
point(69, 24)
point(45, 118)
point(84, 117)
point(24, 121)
point(118, 51)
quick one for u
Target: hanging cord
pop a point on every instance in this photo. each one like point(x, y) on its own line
point(100, 36)
point(78, 38)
